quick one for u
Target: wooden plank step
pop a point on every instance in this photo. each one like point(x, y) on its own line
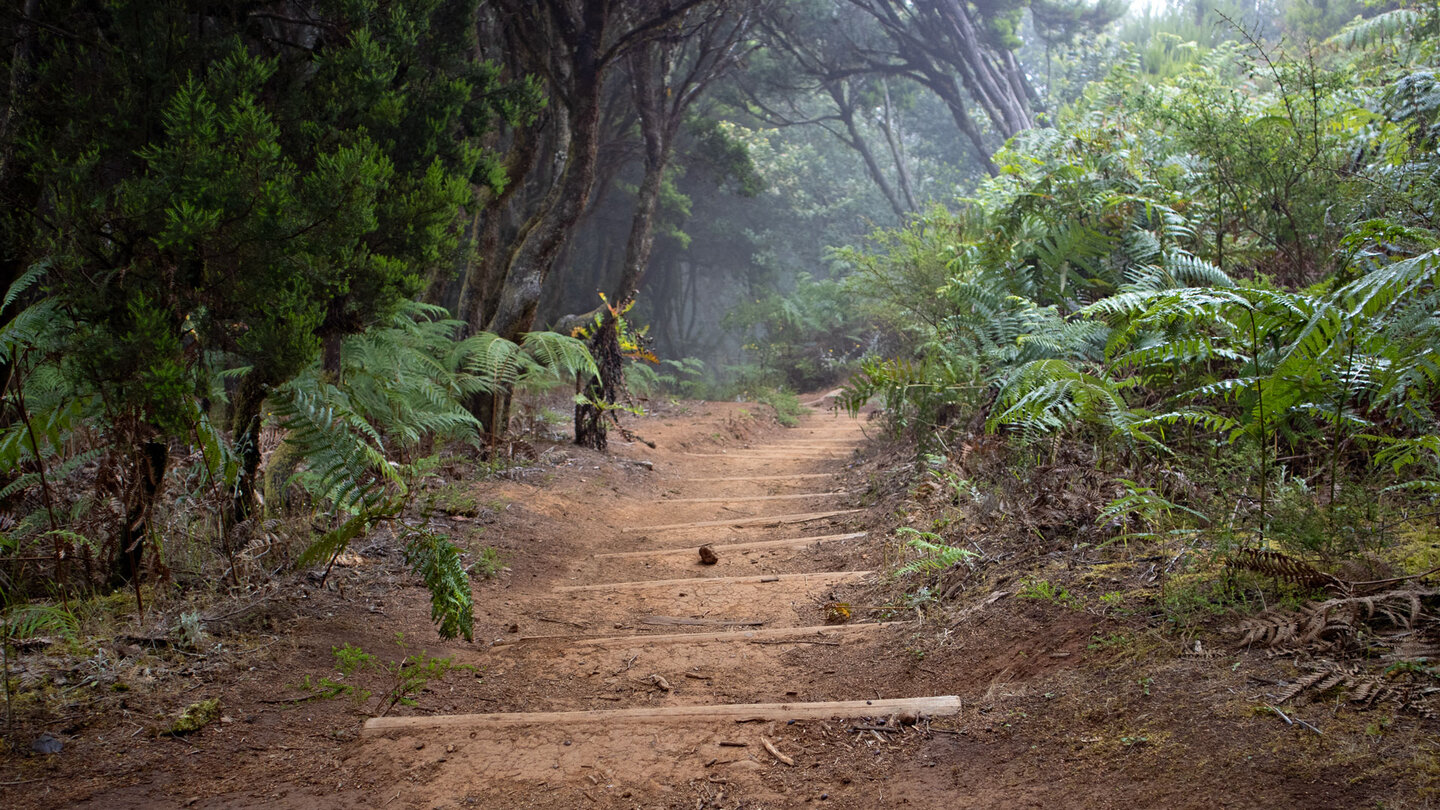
point(773, 520)
point(831, 395)
point(736, 712)
point(686, 621)
point(797, 634)
point(750, 455)
point(794, 542)
point(792, 477)
point(749, 498)
point(821, 576)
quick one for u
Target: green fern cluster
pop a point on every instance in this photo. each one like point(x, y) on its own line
point(403, 384)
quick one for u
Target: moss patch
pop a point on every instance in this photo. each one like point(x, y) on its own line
point(195, 717)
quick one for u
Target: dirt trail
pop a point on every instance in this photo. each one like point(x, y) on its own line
point(675, 635)
point(602, 613)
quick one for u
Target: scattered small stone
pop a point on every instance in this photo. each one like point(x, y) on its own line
point(46, 744)
point(419, 746)
point(708, 556)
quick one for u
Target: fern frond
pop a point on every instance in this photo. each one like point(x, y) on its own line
point(1390, 25)
point(936, 556)
point(560, 354)
point(343, 452)
point(26, 280)
point(1377, 291)
point(334, 542)
point(437, 561)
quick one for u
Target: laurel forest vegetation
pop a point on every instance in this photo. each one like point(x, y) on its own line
point(1157, 283)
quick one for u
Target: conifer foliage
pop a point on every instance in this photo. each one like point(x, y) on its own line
point(215, 219)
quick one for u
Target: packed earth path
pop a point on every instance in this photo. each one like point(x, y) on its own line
point(656, 676)
point(613, 667)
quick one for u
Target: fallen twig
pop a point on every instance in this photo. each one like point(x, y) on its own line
point(542, 617)
point(775, 752)
point(1290, 722)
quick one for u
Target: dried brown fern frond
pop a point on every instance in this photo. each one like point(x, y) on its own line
point(1340, 622)
point(1295, 689)
point(1359, 686)
point(1282, 567)
point(1409, 647)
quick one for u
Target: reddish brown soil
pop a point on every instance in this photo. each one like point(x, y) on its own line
point(1053, 716)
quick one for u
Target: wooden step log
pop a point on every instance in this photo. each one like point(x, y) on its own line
point(810, 445)
point(820, 402)
point(772, 520)
point(818, 577)
point(756, 498)
point(769, 634)
point(811, 634)
point(752, 455)
point(794, 542)
point(757, 478)
point(937, 706)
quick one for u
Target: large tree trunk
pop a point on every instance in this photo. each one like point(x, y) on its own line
point(151, 460)
point(949, 92)
point(245, 423)
point(993, 79)
point(480, 291)
point(540, 244)
point(17, 191)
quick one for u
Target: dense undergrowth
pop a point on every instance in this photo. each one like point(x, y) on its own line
point(1188, 338)
point(337, 455)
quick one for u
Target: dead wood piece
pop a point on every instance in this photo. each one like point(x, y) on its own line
point(542, 617)
point(733, 744)
point(753, 498)
point(775, 752)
